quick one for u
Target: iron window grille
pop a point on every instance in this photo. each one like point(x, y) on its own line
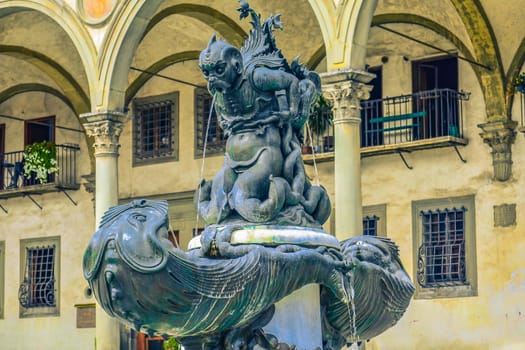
point(370, 225)
point(441, 257)
point(155, 127)
point(38, 287)
point(207, 127)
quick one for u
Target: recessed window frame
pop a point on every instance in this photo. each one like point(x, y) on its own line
point(31, 243)
point(446, 290)
point(172, 154)
point(202, 105)
point(378, 211)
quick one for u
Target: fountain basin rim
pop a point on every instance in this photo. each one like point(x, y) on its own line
point(271, 235)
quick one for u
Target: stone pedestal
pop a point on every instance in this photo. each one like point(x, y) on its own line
point(297, 319)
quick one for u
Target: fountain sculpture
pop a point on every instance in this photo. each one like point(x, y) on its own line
point(263, 239)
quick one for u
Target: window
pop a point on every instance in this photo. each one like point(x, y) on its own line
point(2, 277)
point(155, 136)
point(374, 220)
point(370, 225)
point(441, 107)
point(206, 125)
point(445, 247)
point(38, 130)
point(39, 282)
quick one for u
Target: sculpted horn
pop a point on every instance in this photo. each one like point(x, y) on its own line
point(212, 40)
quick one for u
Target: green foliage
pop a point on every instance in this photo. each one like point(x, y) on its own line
point(518, 83)
point(321, 117)
point(40, 158)
point(171, 344)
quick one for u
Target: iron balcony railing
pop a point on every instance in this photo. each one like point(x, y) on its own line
point(12, 175)
point(423, 115)
point(419, 116)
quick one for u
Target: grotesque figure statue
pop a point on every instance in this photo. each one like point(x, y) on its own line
point(262, 104)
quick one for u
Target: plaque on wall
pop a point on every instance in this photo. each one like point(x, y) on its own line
point(86, 315)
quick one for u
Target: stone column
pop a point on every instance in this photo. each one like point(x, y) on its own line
point(346, 88)
point(500, 136)
point(105, 127)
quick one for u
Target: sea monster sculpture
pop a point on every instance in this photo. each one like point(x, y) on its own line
point(221, 294)
point(139, 277)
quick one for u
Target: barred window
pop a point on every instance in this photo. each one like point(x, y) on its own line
point(374, 220)
point(442, 253)
point(370, 225)
point(155, 128)
point(38, 291)
point(207, 125)
point(444, 247)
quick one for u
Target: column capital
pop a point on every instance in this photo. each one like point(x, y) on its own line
point(105, 127)
point(500, 135)
point(345, 88)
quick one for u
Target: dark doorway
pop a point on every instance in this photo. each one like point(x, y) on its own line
point(372, 133)
point(434, 84)
point(38, 130)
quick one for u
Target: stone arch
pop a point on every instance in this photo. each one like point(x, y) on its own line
point(408, 18)
point(345, 28)
point(69, 23)
point(486, 51)
point(130, 27)
point(221, 23)
point(316, 58)
point(74, 93)
point(35, 87)
point(157, 67)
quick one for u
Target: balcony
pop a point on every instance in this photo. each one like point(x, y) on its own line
point(427, 119)
point(65, 178)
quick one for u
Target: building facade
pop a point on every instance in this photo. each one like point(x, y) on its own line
point(424, 144)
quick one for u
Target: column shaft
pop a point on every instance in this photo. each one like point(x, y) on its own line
point(345, 89)
point(348, 209)
point(105, 127)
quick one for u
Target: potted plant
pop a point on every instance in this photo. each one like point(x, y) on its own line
point(319, 122)
point(40, 160)
point(518, 84)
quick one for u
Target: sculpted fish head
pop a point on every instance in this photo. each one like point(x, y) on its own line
point(138, 228)
point(131, 240)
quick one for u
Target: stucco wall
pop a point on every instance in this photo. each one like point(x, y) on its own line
point(59, 217)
